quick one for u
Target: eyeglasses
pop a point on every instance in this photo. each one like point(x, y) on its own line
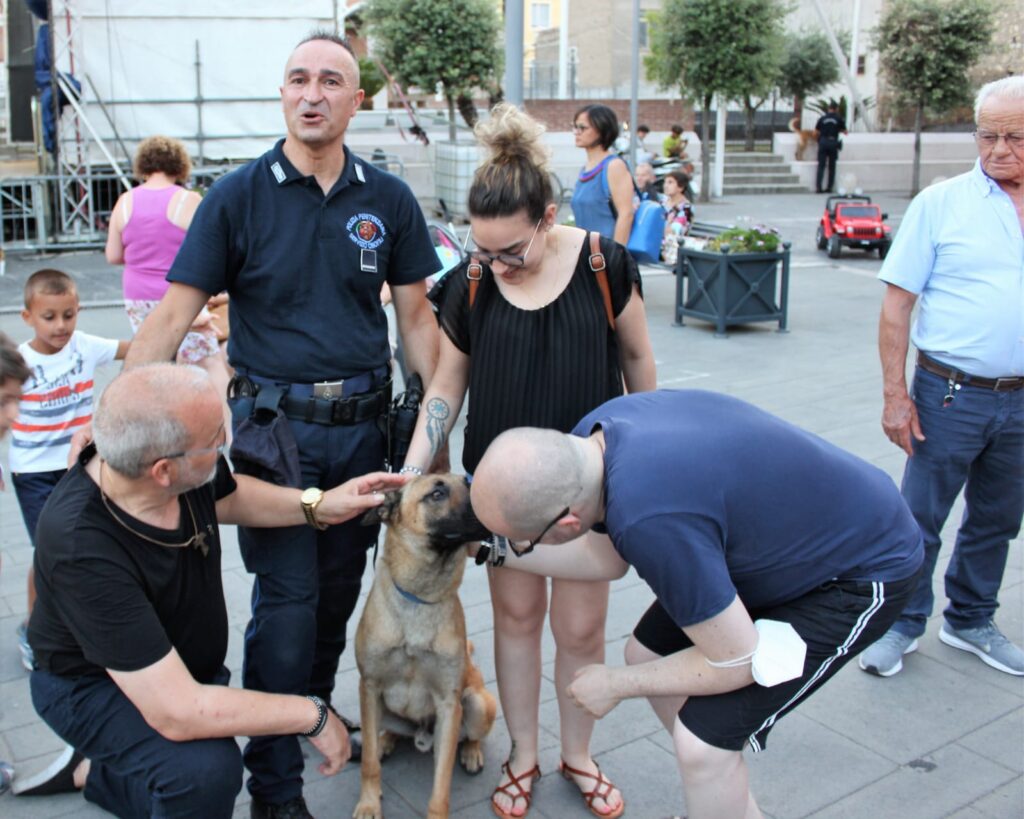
point(988, 139)
point(579, 128)
point(508, 259)
point(220, 449)
point(531, 544)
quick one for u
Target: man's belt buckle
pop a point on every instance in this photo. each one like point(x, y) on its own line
point(1010, 383)
point(328, 390)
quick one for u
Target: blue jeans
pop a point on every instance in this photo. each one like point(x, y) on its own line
point(976, 443)
point(306, 587)
point(32, 490)
point(135, 772)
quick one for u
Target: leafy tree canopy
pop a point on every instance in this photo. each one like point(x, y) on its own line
point(808, 65)
point(926, 48)
point(728, 47)
point(426, 42)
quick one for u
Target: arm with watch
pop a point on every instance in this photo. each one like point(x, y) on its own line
point(261, 504)
point(181, 709)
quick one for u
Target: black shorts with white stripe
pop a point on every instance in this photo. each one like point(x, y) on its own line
point(837, 620)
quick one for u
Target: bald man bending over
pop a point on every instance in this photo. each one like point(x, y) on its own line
point(130, 630)
point(732, 517)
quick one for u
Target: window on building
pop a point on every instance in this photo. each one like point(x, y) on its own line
point(861, 63)
point(643, 33)
point(540, 15)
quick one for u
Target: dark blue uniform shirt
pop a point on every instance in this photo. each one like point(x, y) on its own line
point(305, 270)
point(829, 126)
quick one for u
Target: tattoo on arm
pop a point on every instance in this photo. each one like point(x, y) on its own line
point(438, 413)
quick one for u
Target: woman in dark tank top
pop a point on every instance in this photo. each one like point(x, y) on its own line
point(539, 336)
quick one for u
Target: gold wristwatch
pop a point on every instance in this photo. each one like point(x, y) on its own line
point(310, 500)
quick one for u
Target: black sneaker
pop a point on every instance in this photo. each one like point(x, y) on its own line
point(355, 735)
point(57, 777)
point(292, 809)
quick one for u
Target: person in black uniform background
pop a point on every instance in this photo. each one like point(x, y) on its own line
point(828, 127)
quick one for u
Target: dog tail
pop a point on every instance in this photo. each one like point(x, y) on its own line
point(794, 125)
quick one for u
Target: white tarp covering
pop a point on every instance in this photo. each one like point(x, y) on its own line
point(141, 57)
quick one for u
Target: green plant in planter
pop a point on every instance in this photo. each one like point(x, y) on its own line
point(757, 239)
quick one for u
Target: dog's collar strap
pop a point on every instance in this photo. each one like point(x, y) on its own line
point(412, 597)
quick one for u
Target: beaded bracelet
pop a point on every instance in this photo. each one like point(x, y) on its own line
point(321, 720)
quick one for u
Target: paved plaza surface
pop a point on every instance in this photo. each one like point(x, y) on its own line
point(943, 738)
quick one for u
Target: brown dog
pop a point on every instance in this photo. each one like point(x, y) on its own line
point(411, 648)
point(804, 138)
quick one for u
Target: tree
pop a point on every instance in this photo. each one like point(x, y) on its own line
point(452, 45)
point(709, 47)
point(808, 65)
point(926, 48)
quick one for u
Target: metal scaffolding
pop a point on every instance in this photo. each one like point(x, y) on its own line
point(76, 219)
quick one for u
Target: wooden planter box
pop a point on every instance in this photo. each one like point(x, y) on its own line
point(732, 288)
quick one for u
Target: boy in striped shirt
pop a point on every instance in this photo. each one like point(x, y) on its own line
point(56, 400)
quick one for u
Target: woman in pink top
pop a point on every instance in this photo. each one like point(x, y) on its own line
point(147, 227)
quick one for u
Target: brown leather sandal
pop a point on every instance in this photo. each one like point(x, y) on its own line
point(515, 782)
point(602, 790)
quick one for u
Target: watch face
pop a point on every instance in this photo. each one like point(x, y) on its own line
point(311, 495)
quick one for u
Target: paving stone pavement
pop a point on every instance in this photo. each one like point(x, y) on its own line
point(945, 738)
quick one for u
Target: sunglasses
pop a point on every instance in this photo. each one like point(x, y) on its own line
point(532, 543)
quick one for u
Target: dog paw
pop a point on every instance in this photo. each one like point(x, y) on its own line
point(368, 809)
point(471, 757)
point(388, 741)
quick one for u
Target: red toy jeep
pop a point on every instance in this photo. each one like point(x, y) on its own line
point(853, 221)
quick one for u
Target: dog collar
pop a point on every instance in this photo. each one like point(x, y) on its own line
point(412, 597)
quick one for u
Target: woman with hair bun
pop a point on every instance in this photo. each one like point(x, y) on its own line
point(603, 197)
point(540, 335)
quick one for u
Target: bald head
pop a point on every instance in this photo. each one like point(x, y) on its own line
point(149, 411)
point(525, 477)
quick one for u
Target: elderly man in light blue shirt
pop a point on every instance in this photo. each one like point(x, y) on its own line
point(959, 253)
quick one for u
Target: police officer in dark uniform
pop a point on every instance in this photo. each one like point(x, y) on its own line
point(303, 238)
point(829, 126)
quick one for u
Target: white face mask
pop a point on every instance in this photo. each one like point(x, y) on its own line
point(778, 658)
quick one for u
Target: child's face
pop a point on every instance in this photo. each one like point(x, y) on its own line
point(10, 394)
point(53, 317)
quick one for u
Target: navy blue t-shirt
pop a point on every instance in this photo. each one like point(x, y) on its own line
point(304, 270)
point(709, 497)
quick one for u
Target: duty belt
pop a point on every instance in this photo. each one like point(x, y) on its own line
point(311, 409)
point(1008, 384)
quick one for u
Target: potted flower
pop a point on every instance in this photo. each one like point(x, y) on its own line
point(734, 278)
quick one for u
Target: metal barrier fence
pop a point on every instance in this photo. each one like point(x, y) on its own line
point(28, 205)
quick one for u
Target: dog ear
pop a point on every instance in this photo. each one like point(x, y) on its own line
point(384, 512)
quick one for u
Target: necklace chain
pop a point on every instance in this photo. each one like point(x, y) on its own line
point(198, 540)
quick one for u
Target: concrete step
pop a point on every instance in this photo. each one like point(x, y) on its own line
point(757, 167)
point(783, 177)
point(764, 188)
point(744, 158)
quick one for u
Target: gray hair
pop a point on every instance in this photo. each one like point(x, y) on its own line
point(138, 419)
point(1011, 87)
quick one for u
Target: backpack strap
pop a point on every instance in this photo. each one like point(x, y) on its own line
point(600, 269)
point(474, 272)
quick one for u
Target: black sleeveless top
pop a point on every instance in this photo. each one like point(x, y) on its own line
point(541, 368)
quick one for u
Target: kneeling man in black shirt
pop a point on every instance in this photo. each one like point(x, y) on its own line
point(130, 629)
